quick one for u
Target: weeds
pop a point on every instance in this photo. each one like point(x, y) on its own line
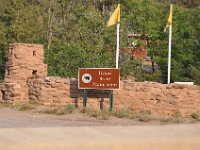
point(177, 114)
point(57, 110)
point(178, 117)
point(144, 116)
point(23, 106)
point(102, 115)
point(123, 113)
point(70, 108)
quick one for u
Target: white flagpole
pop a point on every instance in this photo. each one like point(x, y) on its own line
point(169, 54)
point(117, 50)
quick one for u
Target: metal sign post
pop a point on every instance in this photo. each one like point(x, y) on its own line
point(111, 100)
point(85, 98)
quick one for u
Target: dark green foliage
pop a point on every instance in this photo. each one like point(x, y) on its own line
point(195, 116)
point(75, 35)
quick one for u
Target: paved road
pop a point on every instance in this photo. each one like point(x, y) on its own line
point(166, 137)
point(27, 131)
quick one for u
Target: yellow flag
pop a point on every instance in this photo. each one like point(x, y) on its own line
point(115, 17)
point(169, 21)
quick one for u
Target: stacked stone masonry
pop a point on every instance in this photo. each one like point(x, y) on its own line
point(26, 80)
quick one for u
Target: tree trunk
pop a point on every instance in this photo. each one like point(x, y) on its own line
point(63, 12)
point(50, 22)
point(152, 56)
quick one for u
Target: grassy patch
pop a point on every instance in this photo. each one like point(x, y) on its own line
point(70, 108)
point(124, 113)
point(57, 110)
point(23, 106)
point(99, 114)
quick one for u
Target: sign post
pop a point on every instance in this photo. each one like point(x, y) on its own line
point(99, 78)
point(85, 98)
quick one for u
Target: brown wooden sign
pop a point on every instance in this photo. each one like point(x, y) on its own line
point(99, 78)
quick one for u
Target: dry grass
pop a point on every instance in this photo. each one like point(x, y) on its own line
point(56, 110)
point(99, 114)
point(3, 105)
point(23, 106)
point(143, 116)
point(124, 113)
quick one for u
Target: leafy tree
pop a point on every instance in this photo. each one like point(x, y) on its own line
point(75, 35)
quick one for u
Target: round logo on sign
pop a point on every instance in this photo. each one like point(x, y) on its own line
point(86, 78)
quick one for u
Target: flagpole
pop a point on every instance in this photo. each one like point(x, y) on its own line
point(117, 49)
point(169, 54)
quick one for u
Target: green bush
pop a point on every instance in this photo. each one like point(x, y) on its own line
point(195, 116)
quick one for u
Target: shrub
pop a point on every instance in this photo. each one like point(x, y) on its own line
point(70, 108)
point(195, 116)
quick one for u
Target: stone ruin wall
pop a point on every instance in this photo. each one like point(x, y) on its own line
point(26, 80)
point(54, 91)
point(160, 99)
point(10, 92)
point(23, 61)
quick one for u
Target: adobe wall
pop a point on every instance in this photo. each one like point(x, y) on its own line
point(10, 92)
point(53, 91)
point(48, 90)
point(23, 61)
point(158, 98)
point(161, 99)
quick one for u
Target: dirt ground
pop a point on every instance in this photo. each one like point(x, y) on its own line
point(22, 130)
point(14, 118)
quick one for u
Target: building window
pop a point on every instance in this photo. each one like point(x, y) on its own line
point(34, 53)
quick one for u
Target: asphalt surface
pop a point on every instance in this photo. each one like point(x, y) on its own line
point(167, 137)
point(26, 131)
